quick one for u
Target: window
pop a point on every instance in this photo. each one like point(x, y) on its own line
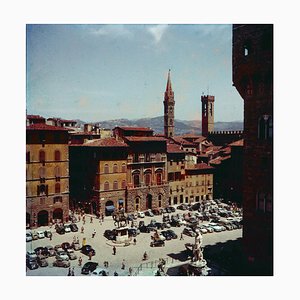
point(115, 186)
point(57, 188)
point(57, 155)
point(265, 127)
point(181, 198)
point(115, 168)
point(159, 178)
point(123, 168)
point(123, 184)
point(57, 199)
point(135, 157)
point(136, 178)
point(106, 186)
point(42, 172)
point(57, 173)
point(106, 169)
point(42, 156)
point(42, 189)
point(148, 178)
point(147, 157)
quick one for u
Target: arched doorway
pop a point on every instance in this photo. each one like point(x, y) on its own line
point(43, 218)
point(149, 201)
point(109, 208)
point(58, 215)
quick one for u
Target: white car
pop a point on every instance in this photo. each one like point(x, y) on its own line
point(28, 237)
point(67, 228)
point(141, 214)
point(31, 255)
point(100, 272)
point(71, 254)
point(61, 254)
point(40, 234)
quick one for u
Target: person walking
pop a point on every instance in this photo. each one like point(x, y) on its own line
point(181, 236)
point(50, 236)
point(82, 229)
point(102, 217)
point(130, 271)
point(114, 250)
point(79, 261)
point(69, 272)
point(90, 255)
point(94, 233)
point(72, 272)
point(134, 241)
point(123, 264)
point(91, 220)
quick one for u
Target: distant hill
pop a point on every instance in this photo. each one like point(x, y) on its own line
point(157, 124)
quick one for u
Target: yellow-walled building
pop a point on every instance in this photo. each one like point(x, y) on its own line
point(47, 175)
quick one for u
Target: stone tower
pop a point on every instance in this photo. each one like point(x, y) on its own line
point(207, 114)
point(169, 104)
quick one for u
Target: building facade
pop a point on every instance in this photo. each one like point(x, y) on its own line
point(47, 174)
point(253, 79)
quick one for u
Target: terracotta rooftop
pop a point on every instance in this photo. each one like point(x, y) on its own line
point(106, 142)
point(238, 143)
point(145, 139)
point(135, 128)
point(34, 117)
point(180, 140)
point(84, 133)
point(174, 148)
point(42, 126)
point(200, 139)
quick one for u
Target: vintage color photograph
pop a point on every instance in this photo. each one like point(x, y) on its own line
point(149, 150)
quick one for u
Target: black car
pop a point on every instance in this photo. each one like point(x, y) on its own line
point(31, 263)
point(132, 232)
point(89, 267)
point(60, 230)
point(41, 251)
point(157, 243)
point(172, 234)
point(151, 227)
point(73, 227)
point(88, 249)
point(182, 207)
point(175, 223)
point(141, 223)
point(166, 235)
point(172, 208)
point(109, 234)
point(66, 246)
point(168, 209)
point(159, 225)
point(144, 229)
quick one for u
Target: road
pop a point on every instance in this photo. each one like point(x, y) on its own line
point(132, 254)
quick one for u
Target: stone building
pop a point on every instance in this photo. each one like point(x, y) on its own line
point(207, 114)
point(252, 62)
point(169, 105)
point(99, 175)
point(34, 119)
point(47, 174)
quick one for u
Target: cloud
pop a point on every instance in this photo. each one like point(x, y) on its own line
point(157, 31)
point(112, 31)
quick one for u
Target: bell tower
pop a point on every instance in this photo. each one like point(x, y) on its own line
point(207, 114)
point(169, 104)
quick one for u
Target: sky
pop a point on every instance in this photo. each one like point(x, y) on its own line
point(103, 72)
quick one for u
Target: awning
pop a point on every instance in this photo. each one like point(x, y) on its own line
point(110, 207)
point(121, 201)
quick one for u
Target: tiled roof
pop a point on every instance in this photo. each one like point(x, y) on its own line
point(174, 148)
point(145, 139)
point(237, 143)
point(34, 117)
point(180, 140)
point(106, 142)
point(42, 126)
point(84, 133)
point(135, 128)
point(200, 139)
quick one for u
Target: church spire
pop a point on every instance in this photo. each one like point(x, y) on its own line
point(169, 104)
point(169, 86)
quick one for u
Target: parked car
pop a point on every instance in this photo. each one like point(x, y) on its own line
point(188, 231)
point(67, 228)
point(31, 263)
point(109, 234)
point(40, 234)
point(167, 236)
point(34, 236)
point(60, 230)
point(172, 234)
point(141, 214)
point(31, 255)
point(166, 218)
point(135, 216)
point(144, 229)
point(71, 254)
point(66, 246)
point(175, 223)
point(182, 207)
point(149, 213)
point(159, 225)
point(42, 261)
point(89, 267)
point(61, 254)
point(141, 223)
point(88, 249)
point(151, 227)
point(28, 236)
point(168, 210)
point(157, 243)
point(172, 208)
point(51, 250)
point(47, 233)
point(61, 263)
point(132, 232)
point(76, 246)
point(73, 227)
point(100, 272)
point(41, 251)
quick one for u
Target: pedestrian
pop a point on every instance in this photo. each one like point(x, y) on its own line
point(130, 271)
point(79, 218)
point(74, 239)
point(79, 261)
point(69, 272)
point(83, 222)
point(82, 229)
point(94, 233)
point(114, 250)
point(91, 220)
point(102, 217)
point(50, 236)
point(90, 255)
point(72, 273)
point(181, 236)
point(100, 221)
point(134, 241)
point(123, 264)
point(116, 274)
